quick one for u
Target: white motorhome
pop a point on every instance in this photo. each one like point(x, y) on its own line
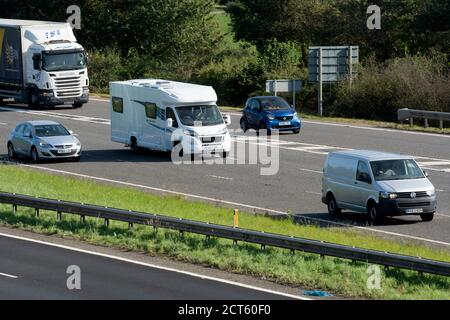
point(159, 115)
point(42, 64)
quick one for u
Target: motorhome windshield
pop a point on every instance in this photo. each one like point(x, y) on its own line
point(200, 115)
point(396, 170)
point(64, 61)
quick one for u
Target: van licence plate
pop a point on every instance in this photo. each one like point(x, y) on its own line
point(418, 210)
point(285, 123)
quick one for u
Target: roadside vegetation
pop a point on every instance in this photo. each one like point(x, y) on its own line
point(304, 270)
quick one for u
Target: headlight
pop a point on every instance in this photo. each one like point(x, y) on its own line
point(78, 144)
point(45, 145)
point(388, 195)
point(270, 117)
point(189, 132)
point(431, 193)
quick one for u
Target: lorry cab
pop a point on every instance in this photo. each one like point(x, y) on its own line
point(377, 184)
point(161, 115)
point(42, 64)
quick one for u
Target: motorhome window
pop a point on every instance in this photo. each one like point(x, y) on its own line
point(171, 114)
point(117, 104)
point(150, 110)
point(396, 170)
point(199, 115)
point(64, 61)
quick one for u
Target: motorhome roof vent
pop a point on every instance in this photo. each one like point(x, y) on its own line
point(58, 41)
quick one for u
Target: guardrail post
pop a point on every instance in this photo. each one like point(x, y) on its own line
point(441, 124)
point(234, 242)
point(426, 122)
point(14, 209)
point(59, 215)
point(82, 219)
point(36, 212)
point(130, 225)
point(106, 223)
point(411, 121)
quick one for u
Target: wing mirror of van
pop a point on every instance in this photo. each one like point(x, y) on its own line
point(227, 119)
point(169, 123)
point(364, 177)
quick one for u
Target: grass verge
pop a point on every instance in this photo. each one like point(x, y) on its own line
point(300, 269)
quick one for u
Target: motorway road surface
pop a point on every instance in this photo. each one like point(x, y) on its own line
point(295, 188)
point(30, 270)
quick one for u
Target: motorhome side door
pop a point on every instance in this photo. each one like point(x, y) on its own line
point(152, 131)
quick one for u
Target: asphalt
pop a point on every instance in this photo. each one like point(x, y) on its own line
point(295, 188)
point(30, 270)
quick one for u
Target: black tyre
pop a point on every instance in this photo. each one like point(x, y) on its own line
point(297, 131)
point(373, 213)
point(244, 124)
point(133, 144)
point(34, 155)
point(33, 99)
point(426, 217)
point(76, 159)
point(333, 209)
point(11, 152)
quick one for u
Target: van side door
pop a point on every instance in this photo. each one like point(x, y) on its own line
point(363, 186)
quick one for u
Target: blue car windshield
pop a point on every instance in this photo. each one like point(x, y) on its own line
point(52, 130)
point(274, 103)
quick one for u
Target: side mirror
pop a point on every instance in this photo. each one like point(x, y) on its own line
point(70, 131)
point(227, 119)
point(169, 123)
point(364, 177)
point(425, 173)
point(37, 61)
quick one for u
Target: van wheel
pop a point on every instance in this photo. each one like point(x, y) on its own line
point(333, 209)
point(427, 216)
point(34, 155)
point(373, 213)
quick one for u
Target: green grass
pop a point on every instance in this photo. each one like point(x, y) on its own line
point(306, 270)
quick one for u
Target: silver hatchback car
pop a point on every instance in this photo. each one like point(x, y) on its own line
point(43, 140)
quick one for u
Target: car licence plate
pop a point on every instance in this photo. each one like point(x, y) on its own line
point(418, 210)
point(285, 123)
point(65, 151)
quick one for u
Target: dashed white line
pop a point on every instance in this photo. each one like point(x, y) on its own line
point(219, 177)
point(309, 170)
point(3, 124)
point(8, 275)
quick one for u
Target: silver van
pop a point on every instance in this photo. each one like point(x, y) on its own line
point(377, 184)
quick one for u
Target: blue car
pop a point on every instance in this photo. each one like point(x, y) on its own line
point(269, 113)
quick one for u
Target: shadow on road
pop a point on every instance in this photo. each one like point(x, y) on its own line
point(348, 219)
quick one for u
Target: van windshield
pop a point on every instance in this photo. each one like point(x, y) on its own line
point(396, 170)
point(200, 115)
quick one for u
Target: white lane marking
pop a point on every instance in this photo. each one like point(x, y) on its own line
point(260, 209)
point(434, 163)
point(99, 99)
point(3, 124)
point(440, 190)
point(8, 275)
point(312, 192)
point(192, 274)
point(219, 177)
point(309, 170)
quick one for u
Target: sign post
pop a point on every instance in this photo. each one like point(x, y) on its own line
point(330, 65)
point(284, 86)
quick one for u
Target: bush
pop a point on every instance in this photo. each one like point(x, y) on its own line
point(413, 82)
point(104, 66)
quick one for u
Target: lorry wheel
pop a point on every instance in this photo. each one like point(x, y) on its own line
point(77, 105)
point(33, 99)
point(427, 216)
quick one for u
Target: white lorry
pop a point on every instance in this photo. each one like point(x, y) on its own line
point(42, 64)
point(162, 115)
